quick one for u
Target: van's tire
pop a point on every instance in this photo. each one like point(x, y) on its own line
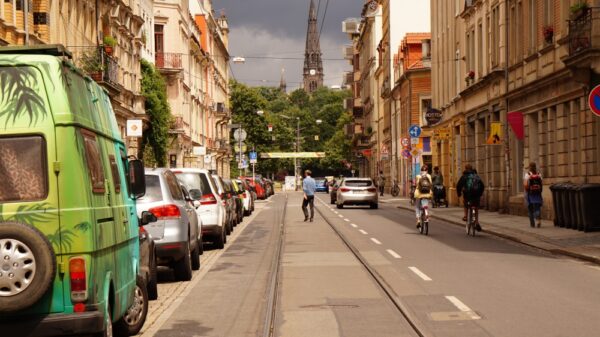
point(153, 280)
point(131, 323)
point(196, 257)
point(39, 270)
point(183, 268)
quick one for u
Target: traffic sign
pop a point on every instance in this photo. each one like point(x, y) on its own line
point(414, 141)
point(414, 131)
point(415, 152)
point(406, 153)
point(594, 100)
point(405, 142)
point(240, 134)
point(242, 148)
point(253, 156)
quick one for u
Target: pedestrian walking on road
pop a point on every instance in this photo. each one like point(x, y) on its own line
point(532, 183)
point(381, 182)
point(309, 186)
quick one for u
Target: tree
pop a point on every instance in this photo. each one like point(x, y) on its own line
point(156, 137)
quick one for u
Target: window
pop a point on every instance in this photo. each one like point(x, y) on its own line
point(480, 50)
point(94, 161)
point(532, 25)
point(358, 183)
point(196, 183)
point(115, 174)
point(548, 12)
point(425, 106)
point(159, 38)
point(23, 169)
point(495, 29)
point(174, 187)
point(153, 191)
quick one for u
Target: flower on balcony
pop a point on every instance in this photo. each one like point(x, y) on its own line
point(548, 33)
point(470, 75)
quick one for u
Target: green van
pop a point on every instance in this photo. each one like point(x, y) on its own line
point(69, 246)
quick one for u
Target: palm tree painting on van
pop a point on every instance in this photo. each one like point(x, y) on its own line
point(20, 95)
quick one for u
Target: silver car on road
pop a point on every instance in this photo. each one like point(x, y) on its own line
point(357, 191)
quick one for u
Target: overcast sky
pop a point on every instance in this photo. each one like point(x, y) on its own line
point(277, 29)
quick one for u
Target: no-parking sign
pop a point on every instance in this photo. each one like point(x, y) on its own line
point(594, 100)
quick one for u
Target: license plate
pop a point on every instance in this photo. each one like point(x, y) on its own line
point(358, 191)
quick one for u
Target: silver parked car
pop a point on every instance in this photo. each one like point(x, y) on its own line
point(177, 233)
point(203, 189)
point(357, 191)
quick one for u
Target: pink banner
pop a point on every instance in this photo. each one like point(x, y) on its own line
point(516, 122)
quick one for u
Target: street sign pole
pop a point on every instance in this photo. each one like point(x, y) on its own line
point(253, 164)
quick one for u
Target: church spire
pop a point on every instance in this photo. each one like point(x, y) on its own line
point(282, 84)
point(313, 65)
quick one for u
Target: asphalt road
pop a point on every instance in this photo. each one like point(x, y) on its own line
point(455, 285)
point(443, 284)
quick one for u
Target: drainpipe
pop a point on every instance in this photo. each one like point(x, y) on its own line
point(26, 12)
point(97, 20)
point(506, 129)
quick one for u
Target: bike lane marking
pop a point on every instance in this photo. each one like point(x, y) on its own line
point(420, 273)
point(393, 254)
point(376, 241)
point(462, 307)
point(363, 231)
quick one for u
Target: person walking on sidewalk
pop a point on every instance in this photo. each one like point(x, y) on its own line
point(423, 191)
point(471, 188)
point(532, 183)
point(381, 182)
point(309, 186)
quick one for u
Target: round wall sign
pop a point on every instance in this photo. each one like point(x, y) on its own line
point(433, 116)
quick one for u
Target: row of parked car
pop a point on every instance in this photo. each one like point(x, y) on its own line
point(189, 208)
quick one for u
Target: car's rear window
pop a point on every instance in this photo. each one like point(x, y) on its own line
point(23, 172)
point(153, 191)
point(358, 183)
point(196, 183)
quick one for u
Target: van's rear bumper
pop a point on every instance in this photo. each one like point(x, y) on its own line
point(54, 325)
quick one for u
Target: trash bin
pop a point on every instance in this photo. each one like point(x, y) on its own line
point(590, 212)
point(569, 213)
point(558, 191)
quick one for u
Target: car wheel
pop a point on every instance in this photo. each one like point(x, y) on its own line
point(220, 240)
point(196, 258)
point(374, 206)
point(340, 206)
point(331, 201)
point(131, 323)
point(153, 280)
point(27, 256)
point(200, 246)
point(183, 267)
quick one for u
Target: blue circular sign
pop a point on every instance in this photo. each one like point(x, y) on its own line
point(594, 100)
point(414, 131)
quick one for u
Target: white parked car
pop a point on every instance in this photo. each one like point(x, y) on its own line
point(204, 192)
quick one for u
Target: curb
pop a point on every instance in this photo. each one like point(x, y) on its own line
point(556, 251)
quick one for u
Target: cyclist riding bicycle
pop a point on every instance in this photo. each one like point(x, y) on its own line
point(423, 190)
point(471, 187)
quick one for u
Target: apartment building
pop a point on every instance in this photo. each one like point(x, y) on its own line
point(16, 30)
point(411, 101)
point(511, 79)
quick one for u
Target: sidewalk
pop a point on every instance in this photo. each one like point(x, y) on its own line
point(557, 240)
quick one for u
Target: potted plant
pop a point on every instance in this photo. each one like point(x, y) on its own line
point(368, 131)
point(470, 76)
point(91, 63)
point(548, 33)
point(109, 43)
point(579, 9)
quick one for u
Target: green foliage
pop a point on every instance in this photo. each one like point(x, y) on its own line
point(109, 41)
point(579, 6)
point(284, 112)
point(156, 136)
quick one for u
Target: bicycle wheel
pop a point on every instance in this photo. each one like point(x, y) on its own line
point(468, 224)
point(426, 227)
point(472, 221)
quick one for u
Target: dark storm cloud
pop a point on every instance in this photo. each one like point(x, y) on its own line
point(277, 28)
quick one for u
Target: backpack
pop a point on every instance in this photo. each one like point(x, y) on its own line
point(424, 184)
point(473, 186)
point(535, 184)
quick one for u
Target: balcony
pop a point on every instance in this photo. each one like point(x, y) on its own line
point(363, 142)
point(177, 125)
point(221, 111)
point(584, 44)
point(348, 52)
point(101, 67)
point(348, 104)
point(348, 78)
point(168, 62)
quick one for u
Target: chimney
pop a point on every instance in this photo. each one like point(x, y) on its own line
point(426, 49)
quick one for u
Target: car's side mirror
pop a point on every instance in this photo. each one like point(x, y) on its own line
point(137, 178)
point(196, 203)
point(147, 217)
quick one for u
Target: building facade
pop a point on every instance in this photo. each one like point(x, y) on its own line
point(511, 79)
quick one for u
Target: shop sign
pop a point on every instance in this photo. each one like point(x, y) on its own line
point(433, 116)
point(441, 134)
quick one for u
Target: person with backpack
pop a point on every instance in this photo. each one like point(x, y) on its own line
point(423, 190)
point(471, 187)
point(532, 183)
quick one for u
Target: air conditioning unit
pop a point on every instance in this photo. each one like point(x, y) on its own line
point(351, 26)
point(349, 52)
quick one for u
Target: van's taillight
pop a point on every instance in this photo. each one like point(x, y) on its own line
point(166, 212)
point(208, 199)
point(78, 279)
point(343, 189)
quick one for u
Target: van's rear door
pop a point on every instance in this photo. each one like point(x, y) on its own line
point(28, 183)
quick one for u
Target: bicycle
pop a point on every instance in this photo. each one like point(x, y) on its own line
point(395, 191)
point(412, 194)
point(471, 226)
point(424, 217)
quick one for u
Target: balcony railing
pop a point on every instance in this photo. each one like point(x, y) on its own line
point(168, 60)
point(580, 32)
point(111, 70)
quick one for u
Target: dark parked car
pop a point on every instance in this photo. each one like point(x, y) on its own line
point(228, 202)
point(148, 261)
point(239, 203)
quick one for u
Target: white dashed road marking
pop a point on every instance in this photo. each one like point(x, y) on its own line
point(394, 254)
point(462, 307)
point(362, 231)
point(346, 220)
point(376, 241)
point(419, 273)
point(354, 225)
point(341, 216)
